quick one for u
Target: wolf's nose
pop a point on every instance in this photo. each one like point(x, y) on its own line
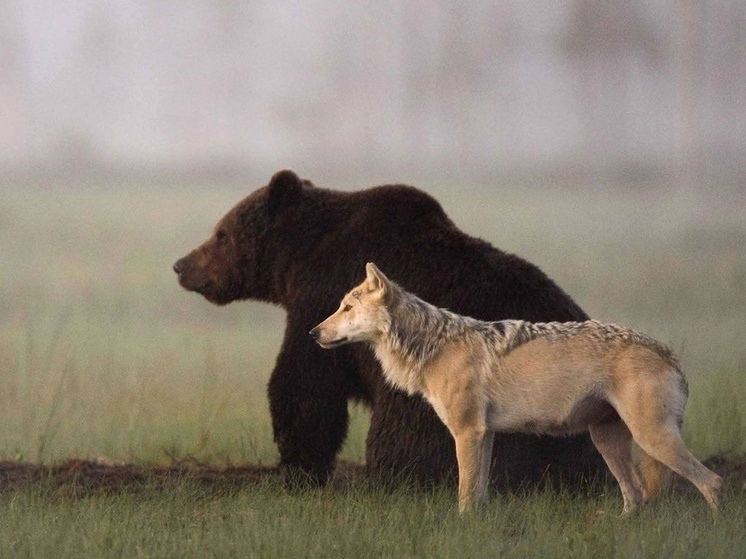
point(314, 333)
point(179, 266)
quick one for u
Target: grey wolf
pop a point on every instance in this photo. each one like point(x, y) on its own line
point(545, 378)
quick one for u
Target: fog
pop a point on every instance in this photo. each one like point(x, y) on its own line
point(584, 90)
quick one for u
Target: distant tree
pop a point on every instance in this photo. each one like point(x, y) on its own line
point(604, 40)
point(453, 54)
point(13, 130)
point(713, 84)
point(689, 73)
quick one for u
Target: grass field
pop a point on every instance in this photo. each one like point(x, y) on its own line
point(185, 521)
point(103, 355)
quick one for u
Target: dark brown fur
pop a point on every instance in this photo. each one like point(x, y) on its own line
point(302, 247)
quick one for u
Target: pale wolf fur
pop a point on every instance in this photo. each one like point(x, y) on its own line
point(549, 378)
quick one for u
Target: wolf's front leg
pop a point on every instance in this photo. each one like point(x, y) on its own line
point(472, 477)
point(484, 466)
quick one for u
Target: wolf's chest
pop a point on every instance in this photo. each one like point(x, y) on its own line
point(439, 407)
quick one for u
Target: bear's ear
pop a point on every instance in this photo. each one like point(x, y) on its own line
point(375, 278)
point(284, 188)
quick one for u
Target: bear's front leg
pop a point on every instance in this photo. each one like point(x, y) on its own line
point(308, 405)
point(407, 443)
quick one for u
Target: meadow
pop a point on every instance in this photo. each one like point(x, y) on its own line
point(104, 357)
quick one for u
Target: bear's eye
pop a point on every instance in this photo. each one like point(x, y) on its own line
point(221, 236)
point(346, 308)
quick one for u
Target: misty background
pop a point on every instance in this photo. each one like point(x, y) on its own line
point(584, 90)
point(129, 127)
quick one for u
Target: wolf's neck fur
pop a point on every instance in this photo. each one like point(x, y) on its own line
point(414, 332)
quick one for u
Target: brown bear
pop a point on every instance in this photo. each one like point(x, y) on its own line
point(302, 247)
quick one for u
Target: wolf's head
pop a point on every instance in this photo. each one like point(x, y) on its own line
point(361, 316)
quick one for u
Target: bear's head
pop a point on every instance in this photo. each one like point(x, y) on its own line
point(233, 263)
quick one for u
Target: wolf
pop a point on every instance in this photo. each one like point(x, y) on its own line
point(516, 376)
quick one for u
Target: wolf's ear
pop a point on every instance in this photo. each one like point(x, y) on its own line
point(285, 187)
point(375, 277)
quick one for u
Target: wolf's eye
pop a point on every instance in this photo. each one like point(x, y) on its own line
point(346, 308)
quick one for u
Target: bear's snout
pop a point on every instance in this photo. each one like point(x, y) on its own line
point(179, 266)
point(193, 275)
point(188, 276)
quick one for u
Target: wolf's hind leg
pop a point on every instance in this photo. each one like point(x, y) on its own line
point(655, 476)
point(664, 443)
point(614, 441)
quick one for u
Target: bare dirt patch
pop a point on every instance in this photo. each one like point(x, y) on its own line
point(78, 478)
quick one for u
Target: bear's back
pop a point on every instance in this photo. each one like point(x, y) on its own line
point(406, 232)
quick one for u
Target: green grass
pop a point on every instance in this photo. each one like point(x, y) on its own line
point(265, 521)
point(103, 355)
